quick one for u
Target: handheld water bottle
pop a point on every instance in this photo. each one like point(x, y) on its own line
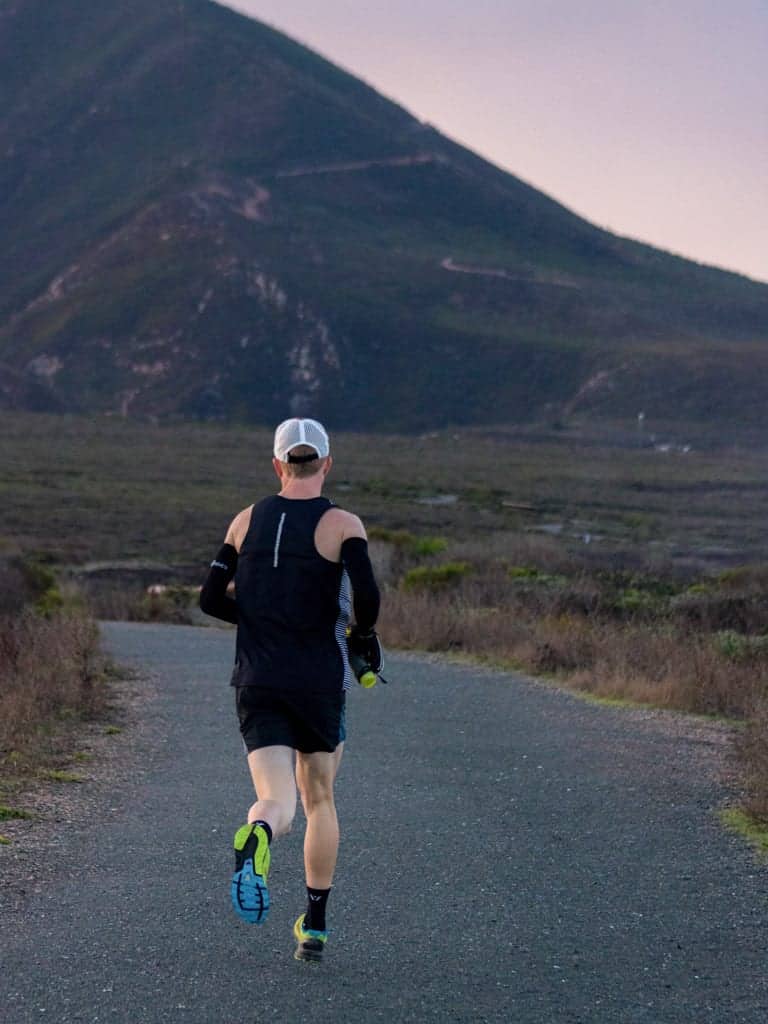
point(365, 674)
point(363, 671)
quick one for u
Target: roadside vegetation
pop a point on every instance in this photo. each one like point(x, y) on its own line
point(627, 565)
point(647, 635)
point(52, 677)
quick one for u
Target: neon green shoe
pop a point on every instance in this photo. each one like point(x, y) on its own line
point(311, 943)
point(250, 897)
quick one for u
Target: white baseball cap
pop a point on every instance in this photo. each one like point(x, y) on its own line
point(294, 432)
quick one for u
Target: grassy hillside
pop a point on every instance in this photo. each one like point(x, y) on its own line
point(201, 217)
point(80, 490)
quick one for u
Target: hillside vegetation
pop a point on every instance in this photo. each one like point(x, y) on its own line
point(202, 218)
point(624, 571)
point(93, 490)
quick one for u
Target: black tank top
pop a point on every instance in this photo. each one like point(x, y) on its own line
point(293, 605)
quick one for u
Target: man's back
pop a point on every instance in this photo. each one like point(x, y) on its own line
point(293, 604)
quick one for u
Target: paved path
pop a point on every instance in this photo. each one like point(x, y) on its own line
point(510, 854)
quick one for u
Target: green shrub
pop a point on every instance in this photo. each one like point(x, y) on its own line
point(172, 604)
point(699, 589)
point(425, 547)
point(522, 572)
point(28, 581)
point(400, 538)
point(526, 574)
point(422, 547)
point(636, 601)
point(435, 577)
point(38, 576)
point(640, 525)
point(14, 813)
point(738, 647)
point(49, 603)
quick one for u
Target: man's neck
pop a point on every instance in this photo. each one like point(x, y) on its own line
point(302, 489)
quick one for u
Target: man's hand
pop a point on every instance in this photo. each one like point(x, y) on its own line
point(366, 646)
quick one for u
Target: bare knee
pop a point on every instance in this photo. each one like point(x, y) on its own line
point(315, 777)
point(315, 793)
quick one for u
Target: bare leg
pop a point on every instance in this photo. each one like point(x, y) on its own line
point(272, 774)
point(273, 779)
point(315, 775)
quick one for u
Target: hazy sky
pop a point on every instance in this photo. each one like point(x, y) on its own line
point(648, 117)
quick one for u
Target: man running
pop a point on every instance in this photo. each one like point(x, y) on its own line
point(293, 557)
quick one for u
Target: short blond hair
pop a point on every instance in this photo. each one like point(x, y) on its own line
point(300, 470)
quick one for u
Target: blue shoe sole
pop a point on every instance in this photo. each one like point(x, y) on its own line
point(250, 896)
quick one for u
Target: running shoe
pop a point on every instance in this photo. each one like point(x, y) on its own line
point(311, 943)
point(250, 897)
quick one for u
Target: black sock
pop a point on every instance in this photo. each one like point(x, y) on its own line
point(314, 918)
point(265, 825)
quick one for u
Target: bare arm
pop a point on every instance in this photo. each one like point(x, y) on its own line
point(340, 537)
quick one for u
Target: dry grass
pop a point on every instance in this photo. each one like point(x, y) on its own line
point(672, 669)
point(50, 672)
point(570, 631)
point(173, 604)
point(752, 748)
point(669, 667)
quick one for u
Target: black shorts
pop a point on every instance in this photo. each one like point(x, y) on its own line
point(308, 722)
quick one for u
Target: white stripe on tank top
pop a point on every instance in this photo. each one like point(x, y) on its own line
point(277, 541)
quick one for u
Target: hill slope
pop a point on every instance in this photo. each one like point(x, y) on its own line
point(201, 217)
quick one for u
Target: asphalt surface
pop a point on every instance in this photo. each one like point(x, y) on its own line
point(509, 853)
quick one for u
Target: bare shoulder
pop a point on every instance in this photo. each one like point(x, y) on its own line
point(346, 524)
point(336, 526)
point(238, 528)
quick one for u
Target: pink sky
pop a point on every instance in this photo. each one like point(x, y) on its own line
point(649, 118)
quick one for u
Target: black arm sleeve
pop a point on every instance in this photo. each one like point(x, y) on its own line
point(366, 598)
point(213, 596)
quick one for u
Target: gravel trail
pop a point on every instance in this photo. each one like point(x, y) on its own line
point(509, 854)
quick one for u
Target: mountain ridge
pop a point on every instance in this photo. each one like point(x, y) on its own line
point(204, 218)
